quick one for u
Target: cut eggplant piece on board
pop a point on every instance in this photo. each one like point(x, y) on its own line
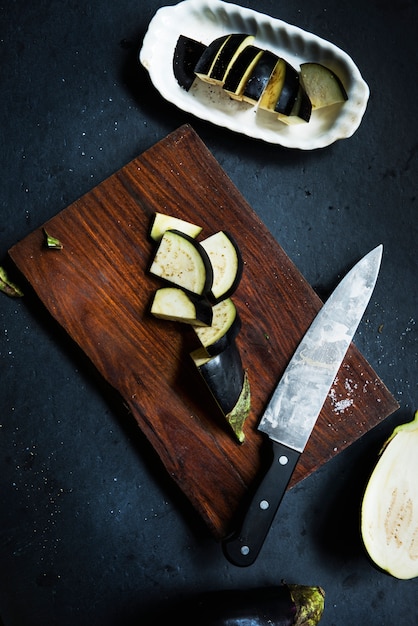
point(259, 77)
point(186, 54)
point(183, 262)
point(228, 383)
point(240, 71)
point(225, 326)
point(161, 223)
point(173, 303)
point(227, 264)
point(322, 85)
point(301, 112)
point(207, 60)
point(223, 373)
point(281, 91)
point(226, 57)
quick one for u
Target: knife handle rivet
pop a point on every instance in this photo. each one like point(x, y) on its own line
point(264, 505)
point(245, 550)
point(283, 460)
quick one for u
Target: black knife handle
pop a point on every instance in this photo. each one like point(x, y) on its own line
point(242, 547)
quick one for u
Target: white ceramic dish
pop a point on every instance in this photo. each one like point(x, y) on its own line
point(205, 20)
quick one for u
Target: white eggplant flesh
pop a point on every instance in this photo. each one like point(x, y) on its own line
point(322, 85)
point(226, 263)
point(174, 304)
point(161, 223)
point(182, 261)
point(389, 513)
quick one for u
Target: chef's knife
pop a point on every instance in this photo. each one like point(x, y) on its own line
point(297, 400)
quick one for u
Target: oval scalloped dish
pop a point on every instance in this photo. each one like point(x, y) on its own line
point(206, 20)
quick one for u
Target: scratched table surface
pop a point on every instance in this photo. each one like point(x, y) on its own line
point(96, 526)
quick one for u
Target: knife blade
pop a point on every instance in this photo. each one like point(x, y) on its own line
point(292, 411)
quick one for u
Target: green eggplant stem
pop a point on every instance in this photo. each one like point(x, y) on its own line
point(7, 286)
point(52, 242)
point(237, 417)
point(310, 604)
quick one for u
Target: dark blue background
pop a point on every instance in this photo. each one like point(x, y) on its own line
point(92, 531)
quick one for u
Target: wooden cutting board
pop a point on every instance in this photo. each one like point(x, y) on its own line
point(97, 287)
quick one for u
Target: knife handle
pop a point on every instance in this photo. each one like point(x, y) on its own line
point(242, 547)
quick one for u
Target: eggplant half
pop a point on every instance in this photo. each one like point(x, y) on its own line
point(279, 605)
point(182, 261)
point(389, 512)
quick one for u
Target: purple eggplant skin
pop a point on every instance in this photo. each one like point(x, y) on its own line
point(206, 60)
point(186, 54)
point(224, 375)
point(238, 69)
point(289, 92)
point(280, 605)
point(259, 77)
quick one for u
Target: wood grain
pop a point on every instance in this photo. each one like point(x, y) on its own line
point(99, 290)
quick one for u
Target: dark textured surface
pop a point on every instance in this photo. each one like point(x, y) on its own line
point(91, 529)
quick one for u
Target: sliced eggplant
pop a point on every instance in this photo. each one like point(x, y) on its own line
point(226, 57)
point(240, 71)
point(183, 262)
point(173, 303)
point(228, 383)
point(162, 222)
point(227, 264)
point(207, 60)
point(301, 112)
point(322, 85)
point(281, 90)
point(186, 54)
point(224, 328)
point(259, 77)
